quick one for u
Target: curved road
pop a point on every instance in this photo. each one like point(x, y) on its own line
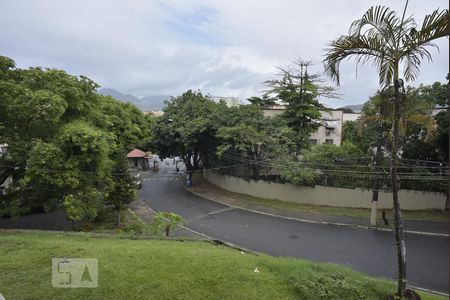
point(368, 251)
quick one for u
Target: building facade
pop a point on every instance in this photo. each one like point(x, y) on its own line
point(138, 159)
point(229, 101)
point(330, 131)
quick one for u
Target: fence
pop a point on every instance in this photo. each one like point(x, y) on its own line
point(318, 195)
point(349, 174)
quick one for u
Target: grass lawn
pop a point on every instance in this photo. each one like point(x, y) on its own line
point(164, 269)
point(423, 215)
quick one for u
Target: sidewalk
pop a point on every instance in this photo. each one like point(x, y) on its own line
point(209, 191)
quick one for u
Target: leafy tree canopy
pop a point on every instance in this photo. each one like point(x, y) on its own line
point(299, 91)
point(63, 141)
point(187, 129)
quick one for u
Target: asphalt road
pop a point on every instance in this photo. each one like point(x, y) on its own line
point(368, 251)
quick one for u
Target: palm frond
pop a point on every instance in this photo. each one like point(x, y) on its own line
point(434, 26)
point(385, 72)
point(427, 121)
point(411, 66)
point(362, 48)
point(377, 17)
point(382, 23)
point(363, 120)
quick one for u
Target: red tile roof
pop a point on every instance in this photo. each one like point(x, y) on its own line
point(136, 153)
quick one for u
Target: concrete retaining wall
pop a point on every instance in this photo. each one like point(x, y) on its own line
point(321, 195)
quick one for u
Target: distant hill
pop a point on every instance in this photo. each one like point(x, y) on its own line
point(356, 107)
point(148, 103)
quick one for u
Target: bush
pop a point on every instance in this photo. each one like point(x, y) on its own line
point(165, 222)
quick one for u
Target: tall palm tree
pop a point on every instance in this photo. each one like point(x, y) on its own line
point(390, 42)
point(378, 110)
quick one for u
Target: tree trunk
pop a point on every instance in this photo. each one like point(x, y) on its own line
point(376, 180)
point(118, 223)
point(398, 222)
point(255, 167)
point(187, 162)
point(167, 230)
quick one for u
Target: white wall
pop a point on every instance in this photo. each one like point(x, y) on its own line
point(350, 117)
point(333, 118)
point(321, 195)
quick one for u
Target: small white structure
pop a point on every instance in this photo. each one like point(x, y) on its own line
point(138, 159)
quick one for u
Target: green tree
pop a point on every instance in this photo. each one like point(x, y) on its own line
point(388, 41)
point(86, 149)
point(166, 222)
point(436, 149)
point(320, 161)
point(123, 188)
point(328, 154)
point(131, 128)
point(261, 102)
point(299, 91)
point(436, 94)
point(250, 138)
point(365, 142)
point(62, 139)
point(187, 129)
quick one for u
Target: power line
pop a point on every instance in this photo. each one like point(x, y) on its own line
point(65, 171)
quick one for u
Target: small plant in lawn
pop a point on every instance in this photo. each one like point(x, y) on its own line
point(166, 221)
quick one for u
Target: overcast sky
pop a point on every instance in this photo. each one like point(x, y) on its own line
point(225, 48)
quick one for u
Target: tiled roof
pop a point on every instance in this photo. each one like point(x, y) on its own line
point(136, 153)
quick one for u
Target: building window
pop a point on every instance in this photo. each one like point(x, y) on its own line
point(313, 142)
point(329, 141)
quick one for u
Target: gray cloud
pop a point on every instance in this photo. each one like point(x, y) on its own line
point(166, 47)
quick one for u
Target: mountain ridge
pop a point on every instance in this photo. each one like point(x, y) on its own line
point(147, 103)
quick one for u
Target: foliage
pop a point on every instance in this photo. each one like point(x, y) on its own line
point(299, 91)
point(132, 129)
point(166, 222)
point(418, 121)
point(350, 133)
point(315, 161)
point(261, 102)
point(250, 138)
point(63, 139)
point(187, 129)
point(414, 110)
point(436, 94)
point(329, 154)
point(85, 203)
point(388, 41)
point(122, 188)
point(436, 149)
point(299, 175)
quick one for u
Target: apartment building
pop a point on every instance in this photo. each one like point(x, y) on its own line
point(230, 101)
point(330, 131)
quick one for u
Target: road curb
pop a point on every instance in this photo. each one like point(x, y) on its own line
point(355, 226)
point(209, 238)
point(427, 291)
